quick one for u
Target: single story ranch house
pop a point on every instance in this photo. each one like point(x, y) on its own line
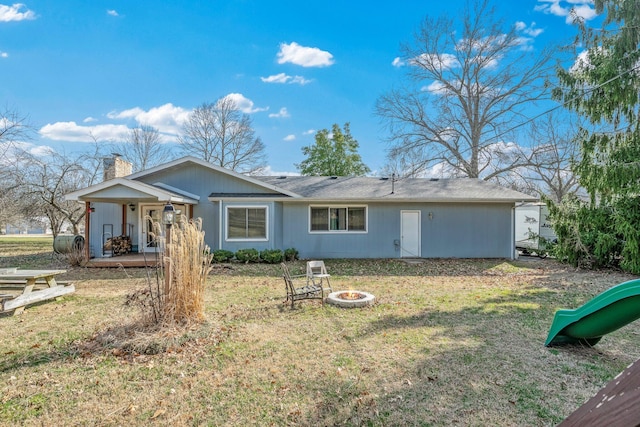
point(320, 216)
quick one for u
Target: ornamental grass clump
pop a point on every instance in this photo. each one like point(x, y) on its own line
point(175, 289)
point(189, 261)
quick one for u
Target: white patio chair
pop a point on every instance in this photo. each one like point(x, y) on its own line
point(317, 275)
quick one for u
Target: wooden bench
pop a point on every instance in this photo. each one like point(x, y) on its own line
point(30, 287)
point(19, 284)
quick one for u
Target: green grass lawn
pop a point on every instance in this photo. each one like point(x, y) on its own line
point(448, 342)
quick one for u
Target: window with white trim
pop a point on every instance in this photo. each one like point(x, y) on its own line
point(247, 223)
point(338, 219)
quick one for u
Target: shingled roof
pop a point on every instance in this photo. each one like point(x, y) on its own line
point(414, 189)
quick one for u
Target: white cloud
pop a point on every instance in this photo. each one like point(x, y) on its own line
point(525, 43)
point(491, 157)
point(585, 11)
point(284, 78)
point(112, 12)
point(529, 33)
point(72, 132)
point(304, 56)
point(435, 87)
point(529, 30)
point(5, 122)
point(581, 8)
point(41, 150)
point(13, 13)
point(300, 80)
point(482, 43)
point(533, 32)
point(397, 62)
point(167, 118)
point(488, 64)
point(439, 88)
point(11, 155)
point(289, 138)
point(4, 55)
point(442, 61)
point(582, 62)
point(309, 132)
point(277, 78)
point(131, 113)
point(244, 104)
point(283, 113)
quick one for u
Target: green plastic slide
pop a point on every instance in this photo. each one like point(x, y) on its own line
point(605, 313)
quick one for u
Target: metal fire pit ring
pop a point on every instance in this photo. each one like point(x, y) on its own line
point(350, 299)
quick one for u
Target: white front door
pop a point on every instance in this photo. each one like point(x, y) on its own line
point(151, 234)
point(410, 234)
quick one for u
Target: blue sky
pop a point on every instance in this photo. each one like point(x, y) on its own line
point(81, 68)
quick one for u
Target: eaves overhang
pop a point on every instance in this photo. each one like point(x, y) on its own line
point(123, 190)
point(352, 200)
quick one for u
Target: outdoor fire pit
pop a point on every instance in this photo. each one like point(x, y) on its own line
point(350, 299)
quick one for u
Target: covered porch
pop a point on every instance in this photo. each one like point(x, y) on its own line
point(121, 221)
point(130, 260)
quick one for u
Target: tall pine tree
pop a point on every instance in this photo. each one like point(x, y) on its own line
point(603, 86)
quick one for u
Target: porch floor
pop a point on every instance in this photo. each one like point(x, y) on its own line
point(128, 260)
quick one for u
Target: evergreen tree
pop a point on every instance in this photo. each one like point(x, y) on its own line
point(333, 154)
point(603, 86)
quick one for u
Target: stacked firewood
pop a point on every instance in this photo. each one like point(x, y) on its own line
point(118, 245)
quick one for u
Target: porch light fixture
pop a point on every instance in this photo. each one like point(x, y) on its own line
point(132, 207)
point(168, 215)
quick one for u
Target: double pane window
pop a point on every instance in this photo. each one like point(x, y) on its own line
point(247, 223)
point(329, 218)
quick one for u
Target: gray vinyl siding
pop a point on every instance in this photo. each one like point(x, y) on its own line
point(210, 214)
point(274, 226)
point(454, 230)
point(466, 218)
point(467, 231)
point(104, 214)
point(202, 182)
point(378, 242)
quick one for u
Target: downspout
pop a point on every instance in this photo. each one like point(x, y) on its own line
point(513, 232)
point(87, 226)
point(220, 224)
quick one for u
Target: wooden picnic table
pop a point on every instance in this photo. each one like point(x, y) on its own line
point(23, 284)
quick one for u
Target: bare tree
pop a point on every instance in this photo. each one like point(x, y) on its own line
point(469, 86)
point(144, 148)
point(406, 164)
point(552, 171)
point(43, 180)
point(557, 150)
point(220, 134)
point(14, 130)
